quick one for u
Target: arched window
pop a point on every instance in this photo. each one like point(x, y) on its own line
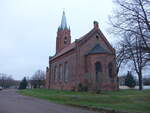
point(66, 72)
point(55, 73)
point(98, 70)
point(110, 69)
point(65, 40)
point(60, 72)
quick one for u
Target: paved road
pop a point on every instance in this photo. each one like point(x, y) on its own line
point(11, 102)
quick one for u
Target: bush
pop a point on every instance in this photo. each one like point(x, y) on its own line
point(130, 81)
point(82, 87)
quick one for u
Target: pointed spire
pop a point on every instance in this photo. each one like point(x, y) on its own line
point(63, 22)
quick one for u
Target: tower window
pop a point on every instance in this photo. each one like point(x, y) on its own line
point(97, 37)
point(65, 40)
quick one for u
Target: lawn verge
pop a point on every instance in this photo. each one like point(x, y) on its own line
point(132, 101)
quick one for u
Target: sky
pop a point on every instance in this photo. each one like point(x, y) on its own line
point(28, 30)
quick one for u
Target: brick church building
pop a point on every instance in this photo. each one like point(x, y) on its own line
point(88, 62)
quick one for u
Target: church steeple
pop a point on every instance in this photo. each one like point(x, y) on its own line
point(63, 24)
point(63, 35)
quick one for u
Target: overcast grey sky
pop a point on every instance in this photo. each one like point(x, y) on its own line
point(28, 30)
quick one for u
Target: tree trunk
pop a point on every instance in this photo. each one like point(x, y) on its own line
point(140, 81)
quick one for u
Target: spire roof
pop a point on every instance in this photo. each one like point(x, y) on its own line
point(63, 22)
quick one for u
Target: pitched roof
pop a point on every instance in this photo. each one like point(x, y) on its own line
point(98, 49)
point(71, 46)
point(87, 35)
point(65, 50)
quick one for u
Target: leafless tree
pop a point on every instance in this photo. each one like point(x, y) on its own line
point(135, 54)
point(131, 22)
point(120, 57)
point(133, 16)
point(7, 81)
point(38, 79)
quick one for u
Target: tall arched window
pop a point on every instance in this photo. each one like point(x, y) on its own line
point(60, 72)
point(66, 72)
point(98, 70)
point(110, 69)
point(55, 73)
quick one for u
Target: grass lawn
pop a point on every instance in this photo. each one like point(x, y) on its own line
point(123, 100)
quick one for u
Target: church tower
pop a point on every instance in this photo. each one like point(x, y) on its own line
point(63, 35)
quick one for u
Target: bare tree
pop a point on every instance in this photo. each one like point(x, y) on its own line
point(131, 22)
point(6, 81)
point(120, 57)
point(38, 79)
point(134, 53)
point(133, 16)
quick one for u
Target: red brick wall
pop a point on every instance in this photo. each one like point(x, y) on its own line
point(82, 68)
point(87, 66)
point(70, 58)
point(60, 39)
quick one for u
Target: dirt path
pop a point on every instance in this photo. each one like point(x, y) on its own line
point(11, 102)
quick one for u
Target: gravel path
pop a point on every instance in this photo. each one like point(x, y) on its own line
point(11, 102)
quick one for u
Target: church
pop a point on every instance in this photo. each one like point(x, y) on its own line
point(89, 62)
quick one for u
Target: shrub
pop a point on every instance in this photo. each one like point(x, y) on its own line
point(82, 87)
point(130, 81)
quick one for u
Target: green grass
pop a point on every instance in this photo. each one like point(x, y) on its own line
point(123, 100)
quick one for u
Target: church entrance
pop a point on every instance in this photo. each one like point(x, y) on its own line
point(98, 70)
point(98, 74)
